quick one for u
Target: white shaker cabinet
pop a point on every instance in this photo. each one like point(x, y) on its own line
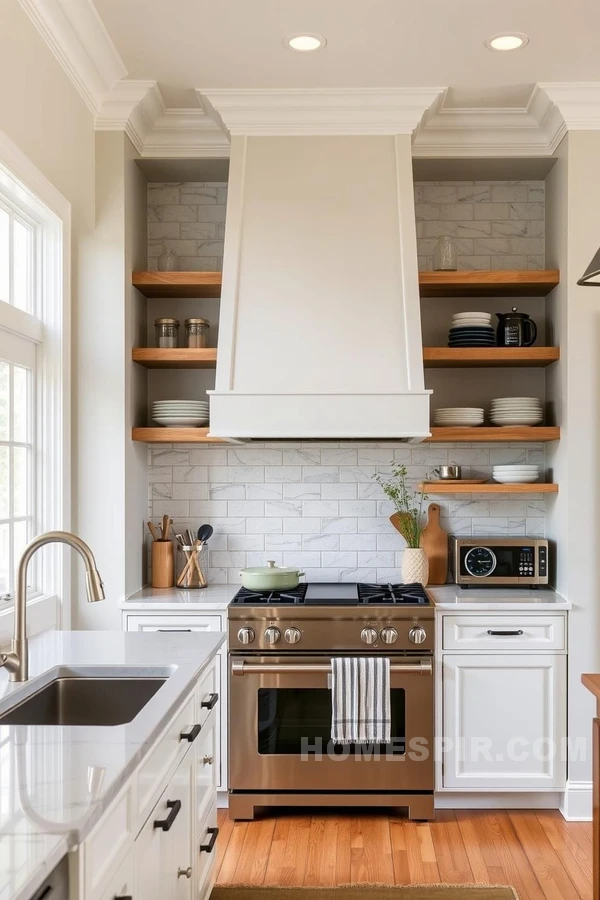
point(502, 702)
point(213, 621)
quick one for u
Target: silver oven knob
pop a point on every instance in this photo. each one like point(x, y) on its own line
point(417, 634)
point(272, 635)
point(368, 635)
point(389, 635)
point(292, 635)
point(246, 635)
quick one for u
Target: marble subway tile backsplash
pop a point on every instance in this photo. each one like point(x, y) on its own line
point(496, 225)
point(317, 506)
point(188, 218)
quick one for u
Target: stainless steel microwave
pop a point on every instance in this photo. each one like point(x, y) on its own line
point(498, 562)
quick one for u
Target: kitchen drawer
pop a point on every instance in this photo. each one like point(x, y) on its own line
point(206, 768)
point(120, 886)
point(105, 846)
point(505, 632)
point(207, 857)
point(207, 692)
point(168, 750)
point(188, 622)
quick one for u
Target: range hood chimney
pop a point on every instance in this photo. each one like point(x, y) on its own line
point(320, 328)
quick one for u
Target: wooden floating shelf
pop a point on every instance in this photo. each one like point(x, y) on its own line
point(485, 435)
point(175, 358)
point(493, 283)
point(178, 284)
point(489, 357)
point(455, 488)
point(175, 435)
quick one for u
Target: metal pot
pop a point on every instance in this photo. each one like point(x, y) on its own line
point(270, 577)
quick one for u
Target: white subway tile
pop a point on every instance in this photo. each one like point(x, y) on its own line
point(261, 559)
point(254, 457)
point(374, 525)
point(301, 526)
point(170, 457)
point(390, 576)
point(386, 542)
point(375, 456)
point(508, 508)
point(283, 508)
point(161, 491)
point(302, 491)
point(264, 491)
point(358, 542)
point(301, 457)
point(227, 559)
point(356, 473)
point(358, 508)
point(319, 574)
point(272, 525)
point(216, 576)
point(370, 490)
point(535, 527)
point(245, 542)
point(208, 508)
point(208, 457)
point(320, 508)
point(320, 473)
point(279, 474)
point(246, 508)
point(469, 508)
point(230, 526)
point(158, 474)
point(345, 560)
point(339, 526)
point(320, 542)
point(339, 457)
point(366, 576)
point(283, 542)
point(190, 473)
point(338, 491)
point(187, 491)
point(179, 508)
point(245, 474)
point(376, 559)
point(301, 558)
point(227, 491)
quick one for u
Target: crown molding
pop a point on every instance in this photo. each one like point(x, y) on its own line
point(533, 130)
point(578, 103)
point(186, 133)
point(132, 107)
point(318, 111)
point(78, 39)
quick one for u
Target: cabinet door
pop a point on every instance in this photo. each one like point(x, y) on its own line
point(179, 840)
point(151, 857)
point(504, 717)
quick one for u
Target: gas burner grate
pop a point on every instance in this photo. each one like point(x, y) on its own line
point(266, 598)
point(392, 595)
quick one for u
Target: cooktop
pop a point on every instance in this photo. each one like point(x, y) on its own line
point(333, 594)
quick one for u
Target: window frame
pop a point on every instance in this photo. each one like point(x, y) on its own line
point(26, 188)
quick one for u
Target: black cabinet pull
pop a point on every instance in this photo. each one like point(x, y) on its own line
point(208, 848)
point(165, 824)
point(190, 735)
point(212, 701)
point(45, 893)
point(124, 898)
point(505, 633)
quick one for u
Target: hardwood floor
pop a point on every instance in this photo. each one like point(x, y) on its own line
point(537, 852)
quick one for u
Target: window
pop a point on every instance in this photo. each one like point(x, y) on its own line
point(34, 433)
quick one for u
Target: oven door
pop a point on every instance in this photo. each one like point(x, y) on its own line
point(280, 729)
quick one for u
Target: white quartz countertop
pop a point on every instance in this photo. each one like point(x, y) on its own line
point(215, 596)
point(451, 597)
point(45, 771)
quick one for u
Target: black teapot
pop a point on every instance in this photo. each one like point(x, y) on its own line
point(515, 329)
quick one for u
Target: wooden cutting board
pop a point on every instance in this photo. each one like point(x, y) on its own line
point(434, 542)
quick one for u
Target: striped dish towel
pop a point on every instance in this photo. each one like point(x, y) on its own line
point(360, 700)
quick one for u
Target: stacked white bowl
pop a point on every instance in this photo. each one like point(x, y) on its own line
point(180, 413)
point(516, 411)
point(516, 474)
point(458, 417)
point(472, 329)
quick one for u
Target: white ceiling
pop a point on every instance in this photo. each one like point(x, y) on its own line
point(184, 44)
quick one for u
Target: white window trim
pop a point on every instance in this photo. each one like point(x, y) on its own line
point(53, 415)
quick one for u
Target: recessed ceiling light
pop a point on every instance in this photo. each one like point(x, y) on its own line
point(507, 41)
point(305, 42)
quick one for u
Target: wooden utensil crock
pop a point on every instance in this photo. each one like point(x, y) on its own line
point(163, 568)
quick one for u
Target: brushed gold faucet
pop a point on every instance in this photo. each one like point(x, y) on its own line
point(16, 660)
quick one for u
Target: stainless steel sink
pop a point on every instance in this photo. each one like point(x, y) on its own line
point(84, 701)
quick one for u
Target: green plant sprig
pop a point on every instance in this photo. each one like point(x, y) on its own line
point(408, 503)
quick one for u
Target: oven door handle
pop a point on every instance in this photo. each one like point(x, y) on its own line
point(243, 667)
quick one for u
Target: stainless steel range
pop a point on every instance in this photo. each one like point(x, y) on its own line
point(280, 650)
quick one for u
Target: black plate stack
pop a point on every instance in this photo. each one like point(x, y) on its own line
point(472, 329)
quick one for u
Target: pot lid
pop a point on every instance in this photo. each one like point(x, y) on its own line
point(271, 569)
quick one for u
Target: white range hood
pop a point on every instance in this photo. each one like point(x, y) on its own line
point(320, 330)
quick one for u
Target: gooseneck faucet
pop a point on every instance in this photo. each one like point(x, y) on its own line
point(16, 660)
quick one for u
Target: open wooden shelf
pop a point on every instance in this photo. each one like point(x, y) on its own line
point(454, 487)
point(178, 284)
point(484, 435)
point(175, 358)
point(493, 283)
point(489, 357)
point(174, 435)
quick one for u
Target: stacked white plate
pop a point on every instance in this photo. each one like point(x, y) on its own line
point(458, 417)
point(516, 474)
point(466, 319)
point(180, 413)
point(516, 411)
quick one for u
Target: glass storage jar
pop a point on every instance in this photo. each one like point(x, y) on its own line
point(196, 332)
point(167, 331)
point(189, 573)
point(444, 254)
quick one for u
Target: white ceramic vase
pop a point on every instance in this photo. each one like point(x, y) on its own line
point(415, 566)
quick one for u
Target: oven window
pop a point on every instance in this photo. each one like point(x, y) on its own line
point(293, 721)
